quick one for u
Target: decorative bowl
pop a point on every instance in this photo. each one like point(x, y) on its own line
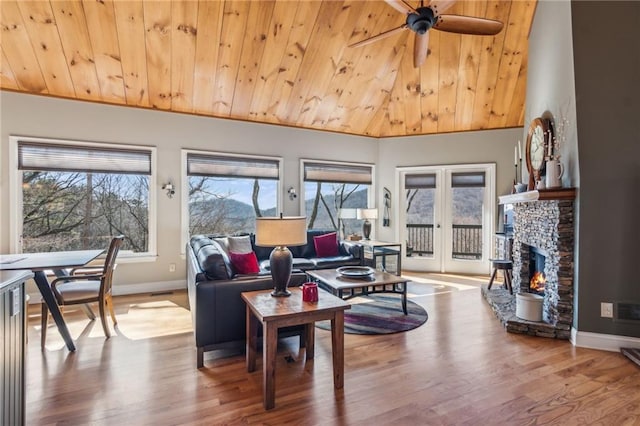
point(356, 271)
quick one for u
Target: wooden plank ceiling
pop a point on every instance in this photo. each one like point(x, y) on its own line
point(283, 62)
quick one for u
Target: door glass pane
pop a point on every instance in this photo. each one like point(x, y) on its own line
point(467, 208)
point(419, 207)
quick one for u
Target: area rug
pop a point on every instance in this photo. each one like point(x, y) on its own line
point(379, 314)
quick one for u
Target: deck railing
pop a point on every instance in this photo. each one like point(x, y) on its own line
point(467, 240)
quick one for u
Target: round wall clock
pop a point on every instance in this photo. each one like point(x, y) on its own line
point(536, 148)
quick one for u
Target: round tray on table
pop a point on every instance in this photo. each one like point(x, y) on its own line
point(363, 272)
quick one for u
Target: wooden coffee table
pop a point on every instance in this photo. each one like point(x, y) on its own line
point(276, 312)
point(378, 282)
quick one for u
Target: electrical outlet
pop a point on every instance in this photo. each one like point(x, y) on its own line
point(606, 310)
point(172, 267)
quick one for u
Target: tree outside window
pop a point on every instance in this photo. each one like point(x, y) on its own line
point(227, 192)
point(76, 196)
point(329, 187)
point(229, 205)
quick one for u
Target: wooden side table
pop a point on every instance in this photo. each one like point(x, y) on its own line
point(276, 312)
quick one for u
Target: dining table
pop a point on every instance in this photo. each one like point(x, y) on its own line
point(57, 262)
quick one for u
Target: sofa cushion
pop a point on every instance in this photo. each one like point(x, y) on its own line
point(244, 263)
point(199, 241)
point(214, 262)
point(262, 252)
point(298, 263)
point(240, 244)
point(224, 243)
point(336, 262)
point(303, 263)
point(308, 250)
point(326, 245)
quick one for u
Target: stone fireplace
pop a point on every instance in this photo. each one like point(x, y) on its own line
point(543, 239)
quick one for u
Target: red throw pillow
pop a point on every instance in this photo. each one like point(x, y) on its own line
point(245, 263)
point(326, 245)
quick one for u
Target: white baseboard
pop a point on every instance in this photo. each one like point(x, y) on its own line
point(605, 342)
point(157, 287)
point(125, 289)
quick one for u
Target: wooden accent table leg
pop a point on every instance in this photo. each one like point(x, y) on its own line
point(252, 340)
point(310, 337)
point(337, 346)
point(269, 346)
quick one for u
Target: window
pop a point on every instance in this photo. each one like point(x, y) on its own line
point(227, 192)
point(77, 195)
point(330, 187)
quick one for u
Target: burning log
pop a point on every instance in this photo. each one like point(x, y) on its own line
point(537, 282)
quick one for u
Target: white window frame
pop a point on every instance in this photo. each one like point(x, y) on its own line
point(371, 197)
point(15, 193)
point(184, 215)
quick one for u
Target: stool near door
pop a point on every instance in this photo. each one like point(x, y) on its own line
point(507, 267)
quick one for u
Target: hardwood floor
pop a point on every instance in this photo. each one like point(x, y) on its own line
point(461, 368)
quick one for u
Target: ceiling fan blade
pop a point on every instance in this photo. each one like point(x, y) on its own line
point(440, 6)
point(420, 47)
point(468, 25)
point(401, 6)
point(380, 36)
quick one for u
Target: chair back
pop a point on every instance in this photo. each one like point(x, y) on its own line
point(109, 264)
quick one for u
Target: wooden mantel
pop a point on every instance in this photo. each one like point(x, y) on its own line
point(538, 195)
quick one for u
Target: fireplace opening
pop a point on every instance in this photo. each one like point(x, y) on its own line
point(537, 279)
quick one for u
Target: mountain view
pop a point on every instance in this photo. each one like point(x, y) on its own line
point(228, 215)
point(467, 206)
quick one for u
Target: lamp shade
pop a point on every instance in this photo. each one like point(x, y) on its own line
point(367, 214)
point(281, 231)
point(347, 214)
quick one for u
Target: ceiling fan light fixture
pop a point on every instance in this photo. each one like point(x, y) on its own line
point(422, 21)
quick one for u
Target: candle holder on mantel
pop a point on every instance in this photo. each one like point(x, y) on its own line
point(517, 186)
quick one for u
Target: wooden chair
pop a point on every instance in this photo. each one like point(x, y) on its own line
point(87, 288)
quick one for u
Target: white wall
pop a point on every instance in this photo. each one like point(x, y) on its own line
point(550, 80)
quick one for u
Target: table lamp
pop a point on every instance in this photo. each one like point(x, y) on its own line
point(366, 214)
point(279, 232)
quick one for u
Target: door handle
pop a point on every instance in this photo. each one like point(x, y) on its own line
point(438, 226)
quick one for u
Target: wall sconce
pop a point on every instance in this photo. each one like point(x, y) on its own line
point(292, 193)
point(170, 189)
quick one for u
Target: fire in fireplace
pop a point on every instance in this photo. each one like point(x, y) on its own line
point(537, 279)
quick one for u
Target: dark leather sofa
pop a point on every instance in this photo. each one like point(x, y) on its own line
point(214, 287)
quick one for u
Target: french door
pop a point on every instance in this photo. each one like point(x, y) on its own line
point(446, 217)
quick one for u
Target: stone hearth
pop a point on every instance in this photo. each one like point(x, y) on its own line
point(548, 225)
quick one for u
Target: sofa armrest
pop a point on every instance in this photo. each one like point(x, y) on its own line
point(352, 248)
point(218, 309)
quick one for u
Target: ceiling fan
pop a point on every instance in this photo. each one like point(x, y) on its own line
point(420, 20)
